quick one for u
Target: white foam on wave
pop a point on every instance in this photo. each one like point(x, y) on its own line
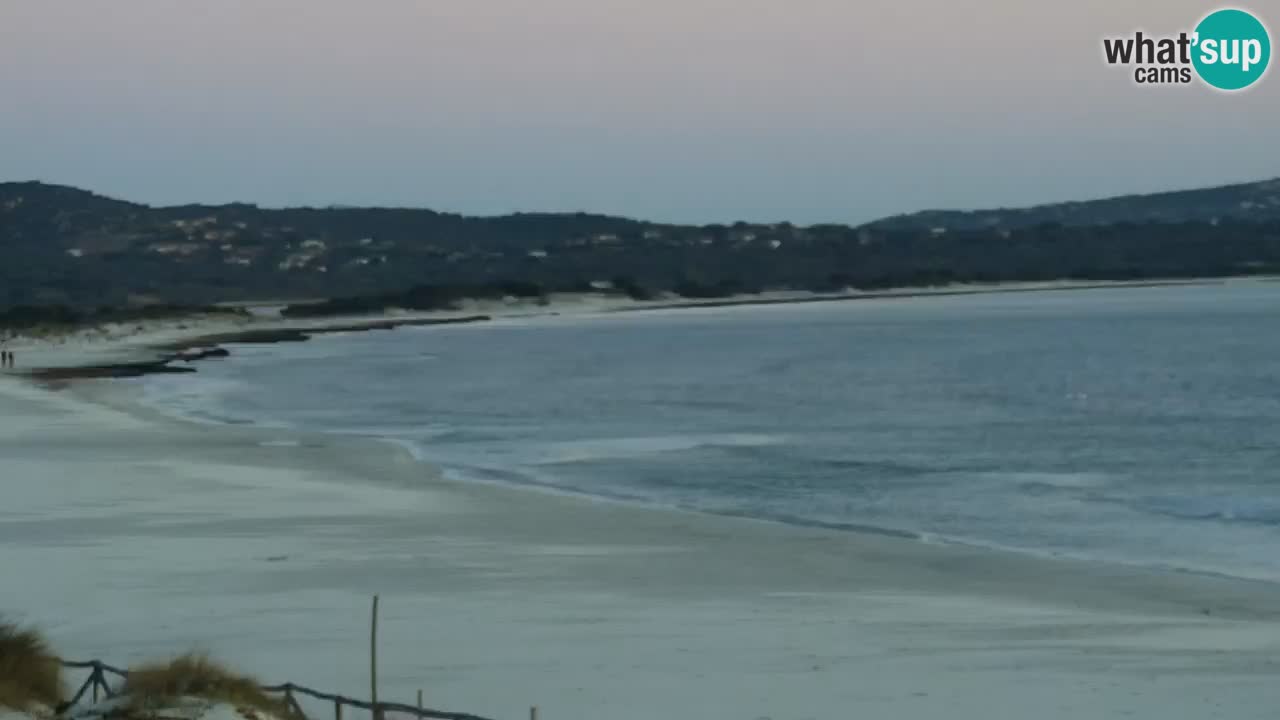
point(1220, 507)
point(191, 397)
point(580, 451)
point(414, 449)
point(202, 399)
point(1050, 479)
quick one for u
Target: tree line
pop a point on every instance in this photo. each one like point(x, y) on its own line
point(67, 252)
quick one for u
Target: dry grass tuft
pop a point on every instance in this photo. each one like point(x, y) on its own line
point(195, 675)
point(30, 674)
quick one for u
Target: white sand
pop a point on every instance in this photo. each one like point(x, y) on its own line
point(116, 342)
point(130, 536)
point(181, 708)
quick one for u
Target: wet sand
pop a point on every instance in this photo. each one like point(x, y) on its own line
point(136, 535)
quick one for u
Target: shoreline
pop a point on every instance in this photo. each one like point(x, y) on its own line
point(73, 377)
point(385, 455)
point(128, 400)
point(196, 348)
point(158, 347)
point(177, 355)
point(148, 534)
point(940, 292)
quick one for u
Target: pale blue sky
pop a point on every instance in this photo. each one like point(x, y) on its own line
point(677, 110)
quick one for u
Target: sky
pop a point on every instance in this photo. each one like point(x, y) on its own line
point(671, 110)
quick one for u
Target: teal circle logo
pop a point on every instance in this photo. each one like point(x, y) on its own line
point(1232, 49)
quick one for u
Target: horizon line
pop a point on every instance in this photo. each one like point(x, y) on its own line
point(632, 218)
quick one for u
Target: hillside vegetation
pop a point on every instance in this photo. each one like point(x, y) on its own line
point(68, 247)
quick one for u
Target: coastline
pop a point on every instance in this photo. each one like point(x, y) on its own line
point(164, 346)
point(262, 545)
point(102, 392)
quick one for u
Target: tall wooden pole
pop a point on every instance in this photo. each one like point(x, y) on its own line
point(373, 660)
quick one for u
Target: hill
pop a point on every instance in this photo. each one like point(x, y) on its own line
point(1246, 202)
point(65, 246)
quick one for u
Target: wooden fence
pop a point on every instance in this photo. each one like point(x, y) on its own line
point(98, 688)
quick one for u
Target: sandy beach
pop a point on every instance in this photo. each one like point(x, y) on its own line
point(151, 339)
point(131, 535)
point(684, 360)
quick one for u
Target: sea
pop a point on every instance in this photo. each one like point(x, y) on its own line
point(1125, 425)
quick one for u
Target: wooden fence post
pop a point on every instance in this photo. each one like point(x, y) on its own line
point(419, 702)
point(102, 680)
point(337, 710)
point(373, 660)
point(94, 677)
point(533, 713)
point(293, 702)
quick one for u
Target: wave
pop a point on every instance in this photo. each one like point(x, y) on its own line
point(422, 435)
point(198, 399)
point(1218, 508)
point(709, 506)
point(586, 451)
point(532, 466)
point(1034, 481)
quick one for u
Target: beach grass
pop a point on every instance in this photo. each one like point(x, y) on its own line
point(30, 674)
point(195, 675)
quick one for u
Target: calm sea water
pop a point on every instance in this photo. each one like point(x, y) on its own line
point(1131, 425)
